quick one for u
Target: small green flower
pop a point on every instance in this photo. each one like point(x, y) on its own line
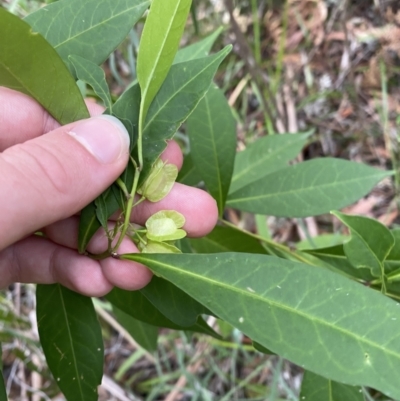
point(159, 182)
point(165, 225)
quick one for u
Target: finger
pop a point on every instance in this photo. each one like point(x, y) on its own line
point(197, 206)
point(37, 260)
point(121, 273)
point(94, 108)
point(22, 118)
point(172, 154)
point(55, 175)
point(65, 232)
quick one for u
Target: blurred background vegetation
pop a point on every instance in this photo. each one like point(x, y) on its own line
point(331, 66)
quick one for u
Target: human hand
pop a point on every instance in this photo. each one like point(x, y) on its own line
point(48, 175)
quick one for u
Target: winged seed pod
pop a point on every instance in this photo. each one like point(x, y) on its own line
point(165, 225)
point(159, 182)
point(158, 247)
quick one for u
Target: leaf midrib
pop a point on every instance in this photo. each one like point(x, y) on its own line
point(18, 80)
point(373, 254)
point(97, 25)
point(157, 58)
point(299, 190)
point(64, 310)
point(371, 250)
point(262, 160)
point(272, 303)
point(176, 91)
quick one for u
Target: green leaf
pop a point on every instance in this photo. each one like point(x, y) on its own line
point(188, 174)
point(262, 349)
point(322, 241)
point(70, 335)
point(395, 251)
point(135, 304)
point(120, 196)
point(370, 243)
point(307, 189)
point(212, 133)
point(173, 303)
point(317, 319)
point(88, 225)
point(126, 108)
point(317, 388)
point(47, 80)
point(265, 156)
point(181, 92)
point(95, 215)
point(91, 29)
point(392, 264)
point(225, 239)
point(335, 257)
point(159, 43)
point(184, 245)
point(102, 210)
point(199, 49)
point(93, 75)
point(144, 334)
point(3, 394)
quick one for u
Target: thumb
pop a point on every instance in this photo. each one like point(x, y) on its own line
point(55, 175)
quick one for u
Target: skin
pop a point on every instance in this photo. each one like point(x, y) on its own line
point(46, 178)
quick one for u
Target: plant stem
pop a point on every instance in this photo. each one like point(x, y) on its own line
point(138, 168)
point(129, 206)
point(143, 198)
point(140, 136)
point(122, 185)
point(392, 295)
point(99, 256)
point(390, 278)
point(140, 238)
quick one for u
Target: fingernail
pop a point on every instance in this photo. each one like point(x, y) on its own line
point(105, 137)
